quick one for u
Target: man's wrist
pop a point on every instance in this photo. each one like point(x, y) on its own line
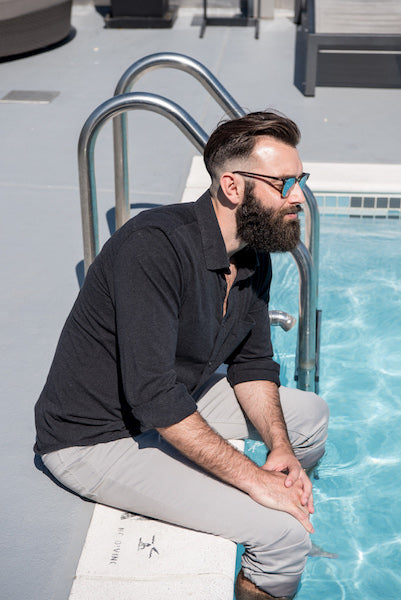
point(251, 478)
point(281, 444)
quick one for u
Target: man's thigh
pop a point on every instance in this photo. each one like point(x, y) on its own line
point(305, 415)
point(146, 475)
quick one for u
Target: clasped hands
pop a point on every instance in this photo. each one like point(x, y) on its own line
point(290, 489)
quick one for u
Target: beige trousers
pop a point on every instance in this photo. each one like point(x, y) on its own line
point(146, 475)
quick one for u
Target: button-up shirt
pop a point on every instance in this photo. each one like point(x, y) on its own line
point(148, 329)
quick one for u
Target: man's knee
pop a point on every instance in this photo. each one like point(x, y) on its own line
point(275, 562)
point(308, 436)
point(321, 408)
point(319, 412)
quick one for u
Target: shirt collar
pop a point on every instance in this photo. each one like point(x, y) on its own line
point(213, 245)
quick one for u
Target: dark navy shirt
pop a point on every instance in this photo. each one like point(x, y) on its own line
point(147, 329)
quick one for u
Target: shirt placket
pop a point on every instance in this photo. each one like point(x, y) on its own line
point(225, 322)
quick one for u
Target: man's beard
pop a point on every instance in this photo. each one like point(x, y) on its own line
point(265, 229)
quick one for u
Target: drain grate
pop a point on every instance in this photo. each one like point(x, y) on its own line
point(30, 96)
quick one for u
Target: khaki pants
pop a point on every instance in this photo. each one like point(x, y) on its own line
point(146, 475)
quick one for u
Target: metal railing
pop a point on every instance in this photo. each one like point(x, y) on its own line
point(125, 84)
point(213, 86)
point(307, 350)
point(86, 147)
point(305, 255)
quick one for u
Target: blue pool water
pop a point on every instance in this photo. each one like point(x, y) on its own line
point(358, 493)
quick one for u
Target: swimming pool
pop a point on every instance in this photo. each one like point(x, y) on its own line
point(357, 495)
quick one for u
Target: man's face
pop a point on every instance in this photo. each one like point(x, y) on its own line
point(265, 220)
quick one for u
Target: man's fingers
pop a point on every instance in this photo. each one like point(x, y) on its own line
point(293, 474)
point(307, 496)
point(303, 518)
point(307, 500)
point(308, 525)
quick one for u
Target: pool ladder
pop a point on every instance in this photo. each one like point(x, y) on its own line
point(305, 255)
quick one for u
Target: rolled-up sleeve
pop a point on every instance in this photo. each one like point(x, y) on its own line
point(253, 359)
point(147, 291)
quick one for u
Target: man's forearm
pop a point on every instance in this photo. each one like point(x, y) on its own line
point(195, 439)
point(260, 400)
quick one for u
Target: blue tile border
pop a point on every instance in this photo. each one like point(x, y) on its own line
point(360, 205)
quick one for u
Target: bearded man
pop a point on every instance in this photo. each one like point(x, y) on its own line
point(133, 414)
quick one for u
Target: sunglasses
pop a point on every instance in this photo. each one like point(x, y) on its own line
point(288, 182)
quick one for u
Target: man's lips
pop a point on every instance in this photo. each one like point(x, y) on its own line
point(292, 213)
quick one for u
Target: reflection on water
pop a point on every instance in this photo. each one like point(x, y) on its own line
point(358, 493)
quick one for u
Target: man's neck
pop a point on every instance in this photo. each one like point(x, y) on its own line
point(228, 226)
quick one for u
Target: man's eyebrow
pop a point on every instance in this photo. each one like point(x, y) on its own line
point(291, 175)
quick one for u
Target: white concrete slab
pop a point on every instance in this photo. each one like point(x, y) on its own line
point(205, 586)
point(367, 178)
point(325, 178)
point(198, 175)
point(128, 546)
point(127, 556)
point(198, 180)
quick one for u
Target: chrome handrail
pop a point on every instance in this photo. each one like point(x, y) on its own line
point(306, 344)
point(312, 230)
point(86, 147)
point(282, 319)
point(127, 80)
point(212, 85)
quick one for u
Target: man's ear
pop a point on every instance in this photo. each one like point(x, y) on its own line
point(232, 187)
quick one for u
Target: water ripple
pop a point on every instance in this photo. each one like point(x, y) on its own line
point(357, 495)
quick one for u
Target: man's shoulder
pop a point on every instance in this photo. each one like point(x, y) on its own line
point(167, 218)
point(156, 230)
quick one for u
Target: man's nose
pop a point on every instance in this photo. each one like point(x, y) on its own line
point(296, 195)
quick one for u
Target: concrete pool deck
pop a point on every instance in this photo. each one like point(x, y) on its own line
point(43, 527)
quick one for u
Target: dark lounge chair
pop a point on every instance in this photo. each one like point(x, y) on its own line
point(355, 43)
point(28, 25)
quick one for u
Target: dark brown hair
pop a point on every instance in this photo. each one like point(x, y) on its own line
point(237, 138)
